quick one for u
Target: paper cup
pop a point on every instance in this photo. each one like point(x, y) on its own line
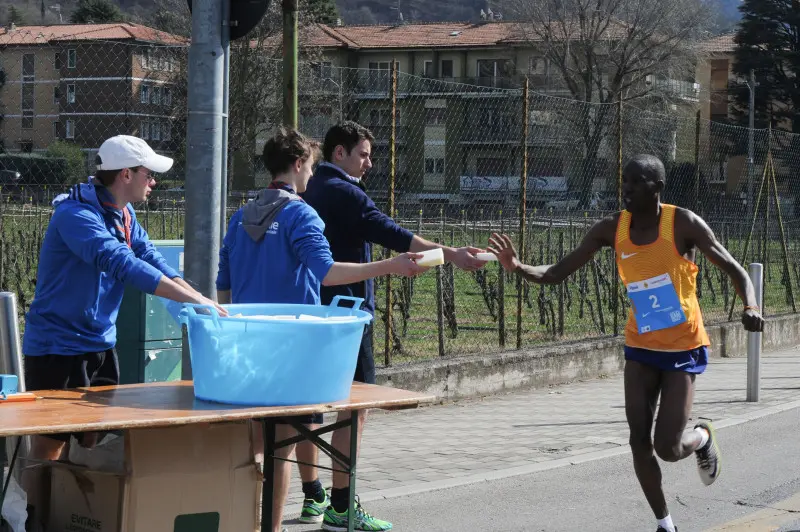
point(432, 257)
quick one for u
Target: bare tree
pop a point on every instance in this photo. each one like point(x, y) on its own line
point(255, 85)
point(606, 51)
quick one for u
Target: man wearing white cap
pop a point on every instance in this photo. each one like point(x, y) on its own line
point(93, 247)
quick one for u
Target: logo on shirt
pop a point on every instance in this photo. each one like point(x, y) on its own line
point(628, 255)
point(273, 229)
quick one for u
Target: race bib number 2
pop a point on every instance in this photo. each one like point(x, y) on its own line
point(656, 305)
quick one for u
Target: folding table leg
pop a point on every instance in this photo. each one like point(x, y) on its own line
point(3, 461)
point(269, 475)
point(351, 509)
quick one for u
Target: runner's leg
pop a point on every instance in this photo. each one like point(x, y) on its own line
point(642, 387)
point(672, 441)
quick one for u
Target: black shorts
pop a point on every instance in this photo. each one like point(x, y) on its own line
point(365, 372)
point(365, 368)
point(63, 372)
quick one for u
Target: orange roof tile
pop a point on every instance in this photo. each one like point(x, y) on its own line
point(433, 35)
point(86, 32)
point(428, 35)
point(721, 44)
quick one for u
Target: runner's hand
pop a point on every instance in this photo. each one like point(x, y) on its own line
point(752, 320)
point(503, 248)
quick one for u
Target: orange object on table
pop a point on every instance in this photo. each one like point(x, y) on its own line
point(17, 397)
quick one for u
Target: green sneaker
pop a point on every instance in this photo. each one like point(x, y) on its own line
point(313, 511)
point(337, 522)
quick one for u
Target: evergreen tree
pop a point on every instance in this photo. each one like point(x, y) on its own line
point(767, 43)
point(16, 16)
point(323, 11)
point(96, 12)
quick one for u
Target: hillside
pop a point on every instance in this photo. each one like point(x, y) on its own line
point(351, 11)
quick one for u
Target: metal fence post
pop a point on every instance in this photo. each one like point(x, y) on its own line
point(290, 9)
point(387, 345)
point(754, 338)
point(440, 310)
point(615, 288)
point(523, 205)
point(697, 163)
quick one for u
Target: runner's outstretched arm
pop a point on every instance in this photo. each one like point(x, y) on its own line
point(599, 235)
point(700, 235)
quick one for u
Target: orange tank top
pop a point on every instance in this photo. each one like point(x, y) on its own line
point(662, 288)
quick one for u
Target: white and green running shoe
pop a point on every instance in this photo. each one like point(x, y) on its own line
point(314, 511)
point(337, 522)
point(708, 456)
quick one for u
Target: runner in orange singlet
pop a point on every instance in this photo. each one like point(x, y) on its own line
point(666, 344)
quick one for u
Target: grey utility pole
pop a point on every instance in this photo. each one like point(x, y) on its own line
point(751, 84)
point(226, 51)
point(204, 139)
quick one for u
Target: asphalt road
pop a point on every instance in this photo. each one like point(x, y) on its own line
point(759, 490)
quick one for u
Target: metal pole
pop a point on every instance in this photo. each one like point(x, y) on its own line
point(750, 145)
point(204, 147)
point(11, 359)
point(290, 63)
point(615, 300)
point(523, 203)
point(226, 51)
point(697, 163)
point(390, 207)
point(754, 338)
point(10, 346)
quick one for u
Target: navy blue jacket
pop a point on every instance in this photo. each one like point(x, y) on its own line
point(352, 224)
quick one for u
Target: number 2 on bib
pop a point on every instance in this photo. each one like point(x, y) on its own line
point(656, 305)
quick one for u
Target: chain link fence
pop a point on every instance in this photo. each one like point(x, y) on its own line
point(454, 160)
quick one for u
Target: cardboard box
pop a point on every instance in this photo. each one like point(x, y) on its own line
point(84, 501)
point(180, 479)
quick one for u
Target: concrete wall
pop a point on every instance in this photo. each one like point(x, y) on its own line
point(471, 376)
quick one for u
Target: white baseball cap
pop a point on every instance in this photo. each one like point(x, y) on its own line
point(125, 151)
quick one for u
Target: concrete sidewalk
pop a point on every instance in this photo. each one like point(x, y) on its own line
point(528, 431)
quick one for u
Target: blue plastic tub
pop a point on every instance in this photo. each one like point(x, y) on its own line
point(247, 361)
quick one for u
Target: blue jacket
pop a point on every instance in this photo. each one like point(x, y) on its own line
point(352, 224)
point(90, 251)
point(274, 251)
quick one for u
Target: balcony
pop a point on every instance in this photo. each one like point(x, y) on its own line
point(316, 86)
point(683, 90)
point(508, 131)
point(383, 132)
point(376, 83)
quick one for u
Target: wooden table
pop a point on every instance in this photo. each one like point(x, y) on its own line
point(169, 404)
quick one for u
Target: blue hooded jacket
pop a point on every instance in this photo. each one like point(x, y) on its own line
point(90, 251)
point(274, 251)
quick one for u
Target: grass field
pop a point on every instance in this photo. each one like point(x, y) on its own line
point(581, 308)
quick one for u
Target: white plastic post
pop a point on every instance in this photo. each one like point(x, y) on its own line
point(754, 339)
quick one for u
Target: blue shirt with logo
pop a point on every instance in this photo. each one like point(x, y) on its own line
point(286, 266)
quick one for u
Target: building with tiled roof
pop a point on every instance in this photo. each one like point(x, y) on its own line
point(83, 83)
